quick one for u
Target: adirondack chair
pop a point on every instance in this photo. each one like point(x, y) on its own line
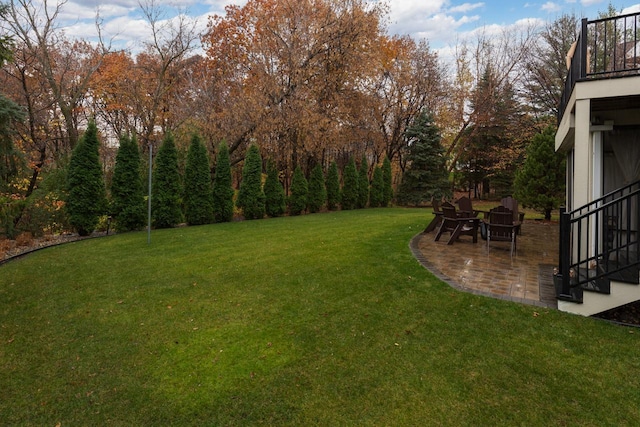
point(466, 207)
point(501, 227)
point(437, 216)
point(511, 203)
point(457, 225)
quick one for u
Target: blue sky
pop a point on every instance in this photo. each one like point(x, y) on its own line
point(441, 22)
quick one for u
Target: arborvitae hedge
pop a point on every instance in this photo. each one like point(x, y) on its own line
point(86, 200)
point(198, 203)
point(275, 203)
point(127, 192)
point(376, 196)
point(166, 187)
point(223, 186)
point(251, 198)
point(363, 183)
point(317, 190)
point(333, 187)
point(350, 186)
point(387, 180)
point(299, 192)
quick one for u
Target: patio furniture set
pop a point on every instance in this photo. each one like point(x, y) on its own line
point(502, 223)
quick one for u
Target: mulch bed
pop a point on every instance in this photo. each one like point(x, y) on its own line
point(25, 244)
point(628, 314)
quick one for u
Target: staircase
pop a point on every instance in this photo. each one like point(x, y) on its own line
point(599, 265)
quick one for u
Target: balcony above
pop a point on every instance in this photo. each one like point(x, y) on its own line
point(604, 67)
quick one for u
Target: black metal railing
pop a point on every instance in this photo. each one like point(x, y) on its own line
point(606, 48)
point(598, 242)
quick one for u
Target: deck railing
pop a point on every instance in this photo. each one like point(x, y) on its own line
point(599, 241)
point(606, 48)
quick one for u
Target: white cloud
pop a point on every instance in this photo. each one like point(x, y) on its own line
point(587, 3)
point(551, 7)
point(465, 7)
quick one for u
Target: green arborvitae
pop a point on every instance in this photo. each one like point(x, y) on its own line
point(275, 203)
point(376, 195)
point(223, 186)
point(333, 187)
point(387, 182)
point(363, 183)
point(426, 175)
point(317, 189)
point(299, 192)
point(251, 198)
point(350, 186)
point(127, 193)
point(540, 182)
point(166, 188)
point(198, 203)
point(86, 200)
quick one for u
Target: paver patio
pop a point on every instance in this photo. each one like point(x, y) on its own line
point(527, 277)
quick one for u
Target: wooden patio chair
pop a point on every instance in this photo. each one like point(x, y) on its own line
point(465, 207)
point(501, 227)
point(511, 203)
point(458, 226)
point(437, 216)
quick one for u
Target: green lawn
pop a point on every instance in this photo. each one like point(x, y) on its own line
point(321, 319)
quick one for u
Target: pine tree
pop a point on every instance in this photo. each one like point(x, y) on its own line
point(540, 182)
point(350, 186)
point(317, 189)
point(299, 192)
point(387, 182)
point(251, 198)
point(198, 203)
point(274, 192)
point(86, 200)
point(223, 186)
point(376, 195)
point(333, 187)
point(166, 188)
point(426, 176)
point(363, 183)
point(127, 194)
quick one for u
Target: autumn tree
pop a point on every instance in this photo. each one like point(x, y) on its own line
point(63, 66)
point(299, 192)
point(198, 203)
point(484, 68)
point(333, 187)
point(426, 174)
point(540, 181)
point(317, 189)
point(275, 200)
point(350, 186)
point(223, 186)
point(167, 187)
point(495, 145)
point(546, 68)
point(86, 200)
point(251, 198)
point(127, 194)
point(287, 73)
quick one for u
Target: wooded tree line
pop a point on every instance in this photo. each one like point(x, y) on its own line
point(309, 83)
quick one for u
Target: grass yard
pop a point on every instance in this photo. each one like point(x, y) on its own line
point(322, 319)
